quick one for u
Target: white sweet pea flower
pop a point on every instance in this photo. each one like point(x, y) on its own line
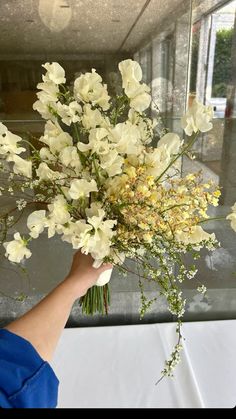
point(57, 144)
point(49, 92)
point(157, 161)
point(9, 141)
point(145, 125)
point(126, 138)
point(45, 173)
point(55, 137)
point(131, 74)
point(55, 73)
point(46, 155)
point(98, 142)
point(3, 129)
point(112, 162)
point(52, 227)
point(194, 236)
point(69, 113)
point(70, 158)
point(21, 166)
point(89, 88)
point(172, 142)
point(99, 241)
point(73, 232)
point(139, 98)
point(197, 118)
point(52, 129)
point(58, 210)
point(94, 209)
point(43, 109)
point(16, 249)
point(232, 217)
point(91, 118)
point(81, 188)
point(36, 223)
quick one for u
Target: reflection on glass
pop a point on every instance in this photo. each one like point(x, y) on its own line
point(55, 15)
point(212, 81)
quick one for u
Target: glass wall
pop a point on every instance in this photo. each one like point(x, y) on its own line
point(186, 49)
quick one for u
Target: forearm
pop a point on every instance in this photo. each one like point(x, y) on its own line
point(43, 324)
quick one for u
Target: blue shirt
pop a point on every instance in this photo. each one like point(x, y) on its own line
point(26, 380)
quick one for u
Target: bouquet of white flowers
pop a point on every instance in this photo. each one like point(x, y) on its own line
point(102, 186)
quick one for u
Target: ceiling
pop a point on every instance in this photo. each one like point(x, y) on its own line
point(80, 26)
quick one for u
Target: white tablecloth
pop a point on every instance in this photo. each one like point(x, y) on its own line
point(118, 366)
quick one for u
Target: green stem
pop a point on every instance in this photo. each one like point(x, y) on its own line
point(174, 206)
point(96, 300)
point(96, 171)
point(211, 219)
point(186, 148)
point(76, 131)
point(31, 145)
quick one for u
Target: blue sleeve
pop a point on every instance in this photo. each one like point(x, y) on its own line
point(26, 380)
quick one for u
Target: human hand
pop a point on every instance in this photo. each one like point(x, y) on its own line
point(82, 274)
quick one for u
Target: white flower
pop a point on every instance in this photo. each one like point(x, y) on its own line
point(232, 218)
point(55, 73)
point(56, 144)
point(131, 73)
point(69, 113)
point(139, 98)
point(46, 155)
point(112, 162)
point(73, 232)
point(126, 138)
point(9, 141)
point(97, 142)
point(58, 210)
point(52, 226)
point(16, 249)
point(81, 188)
point(55, 137)
point(49, 92)
point(3, 129)
point(45, 173)
point(69, 157)
point(171, 142)
point(21, 166)
point(43, 109)
point(89, 88)
point(197, 118)
point(94, 209)
point(99, 241)
point(36, 223)
point(157, 161)
point(145, 126)
point(91, 118)
point(51, 130)
point(194, 236)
